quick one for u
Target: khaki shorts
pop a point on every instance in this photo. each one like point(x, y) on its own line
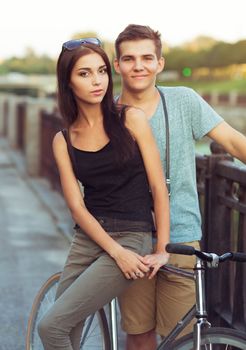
point(161, 302)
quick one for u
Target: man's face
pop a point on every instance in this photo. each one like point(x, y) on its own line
point(138, 64)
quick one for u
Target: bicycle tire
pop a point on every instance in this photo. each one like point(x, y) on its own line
point(95, 332)
point(219, 338)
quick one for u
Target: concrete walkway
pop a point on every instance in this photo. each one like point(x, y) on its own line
point(31, 248)
point(35, 228)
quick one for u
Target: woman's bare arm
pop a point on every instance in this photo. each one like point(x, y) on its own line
point(138, 124)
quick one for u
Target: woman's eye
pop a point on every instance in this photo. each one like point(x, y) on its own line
point(103, 71)
point(84, 74)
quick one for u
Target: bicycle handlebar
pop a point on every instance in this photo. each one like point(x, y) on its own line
point(180, 249)
point(241, 257)
point(189, 250)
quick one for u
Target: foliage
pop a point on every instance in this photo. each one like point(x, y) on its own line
point(108, 46)
point(202, 52)
point(89, 34)
point(30, 64)
point(221, 54)
point(219, 86)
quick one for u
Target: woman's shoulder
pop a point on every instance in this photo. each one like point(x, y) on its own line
point(135, 116)
point(136, 122)
point(59, 141)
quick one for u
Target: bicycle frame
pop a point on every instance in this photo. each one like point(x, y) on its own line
point(201, 309)
point(198, 311)
point(113, 324)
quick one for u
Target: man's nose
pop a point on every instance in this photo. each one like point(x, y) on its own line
point(138, 65)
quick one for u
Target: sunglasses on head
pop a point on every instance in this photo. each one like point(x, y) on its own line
point(75, 43)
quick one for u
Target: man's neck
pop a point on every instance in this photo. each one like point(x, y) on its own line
point(146, 100)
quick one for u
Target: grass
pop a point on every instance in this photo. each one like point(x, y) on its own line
point(220, 86)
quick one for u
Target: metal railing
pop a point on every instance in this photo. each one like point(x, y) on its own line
point(50, 124)
point(222, 194)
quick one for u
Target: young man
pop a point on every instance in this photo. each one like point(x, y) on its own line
point(156, 305)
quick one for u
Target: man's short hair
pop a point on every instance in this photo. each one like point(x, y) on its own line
point(135, 32)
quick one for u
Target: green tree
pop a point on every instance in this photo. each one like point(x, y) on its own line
point(29, 64)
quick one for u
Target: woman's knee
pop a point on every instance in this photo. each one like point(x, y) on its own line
point(42, 329)
point(45, 327)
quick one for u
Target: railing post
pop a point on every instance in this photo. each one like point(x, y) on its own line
point(12, 125)
point(2, 113)
point(211, 187)
point(233, 98)
point(32, 133)
point(216, 225)
point(239, 300)
point(214, 100)
point(21, 119)
point(51, 123)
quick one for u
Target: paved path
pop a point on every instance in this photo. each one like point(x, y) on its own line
point(31, 249)
point(34, 223)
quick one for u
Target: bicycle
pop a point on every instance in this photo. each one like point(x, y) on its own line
point(104, 336)
point(204, 336)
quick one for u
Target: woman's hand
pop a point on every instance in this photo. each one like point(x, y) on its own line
point(131, 264)
point(155, 261)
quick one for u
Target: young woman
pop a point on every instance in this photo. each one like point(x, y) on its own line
point(111, 151)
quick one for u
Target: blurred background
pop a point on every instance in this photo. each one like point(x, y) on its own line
point(204, 45)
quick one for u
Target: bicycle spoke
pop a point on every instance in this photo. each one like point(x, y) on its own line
point(86, 330)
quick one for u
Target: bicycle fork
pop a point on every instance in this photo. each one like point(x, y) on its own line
point(201, 310)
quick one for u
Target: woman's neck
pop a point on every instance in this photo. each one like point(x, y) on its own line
point(89, 115)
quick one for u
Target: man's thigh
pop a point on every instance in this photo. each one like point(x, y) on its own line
point(175, 294)
point(137, 305)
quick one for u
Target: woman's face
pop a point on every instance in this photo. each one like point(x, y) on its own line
point(89, 79)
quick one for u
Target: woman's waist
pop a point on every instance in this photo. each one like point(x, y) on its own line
point(115, 224)
point(121, 224)
point(119, 204)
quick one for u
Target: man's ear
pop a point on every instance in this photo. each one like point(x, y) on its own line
point(116, 66)
point(161, 64)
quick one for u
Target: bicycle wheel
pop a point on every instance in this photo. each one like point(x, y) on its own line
point(95, 332)
point(212, 339)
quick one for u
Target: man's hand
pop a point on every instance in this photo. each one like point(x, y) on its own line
point(155, 261)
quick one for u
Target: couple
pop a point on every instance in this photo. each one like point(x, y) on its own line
point(117, 151)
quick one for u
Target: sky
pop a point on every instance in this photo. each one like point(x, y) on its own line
point(45, 25)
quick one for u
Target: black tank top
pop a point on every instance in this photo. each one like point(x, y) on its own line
point(113, 191)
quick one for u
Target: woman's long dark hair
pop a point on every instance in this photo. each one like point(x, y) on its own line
point(113, 115)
